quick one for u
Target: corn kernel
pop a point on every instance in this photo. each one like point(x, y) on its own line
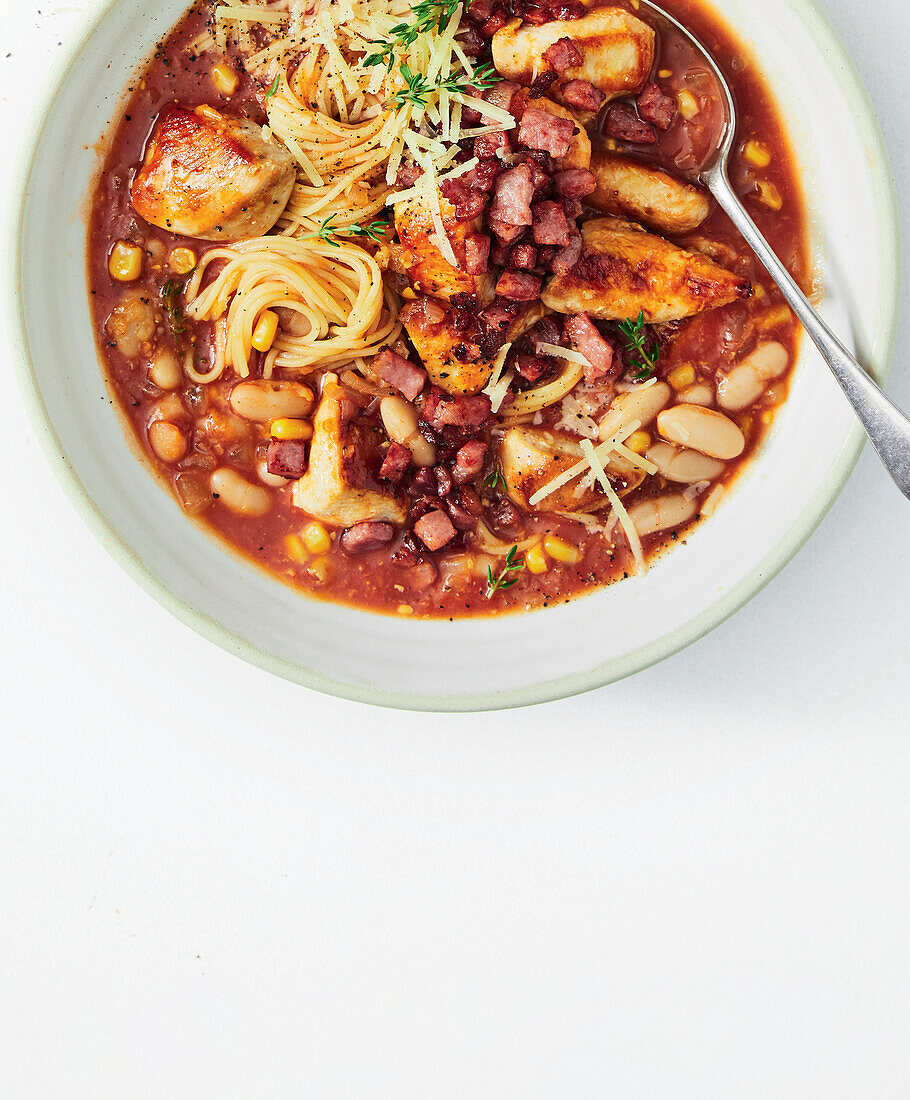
point(561, 550)
point(779, 315)
point(408, 293)
point(757, 153)
point(688, 104)
point(536, 560)
point(665, 74)
point(769, 194)
point(681, 376)
point(295, 549)
point(405, 609)
point(125, 263)
point(286, 427)
point(181, 260)
point(316, 538)
point(226, 79)
point(319, 571)
point(766, 417)
point(208, 113)
point(264, 332)
point(638, 442)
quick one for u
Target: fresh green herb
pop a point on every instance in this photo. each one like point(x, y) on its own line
point(325, 232)
point(170, 295)
point(502, 580)
point(637, 344)
point(428, 14)
point(495, 478)
point(375, 230)
point(328, 230)
point(419, 88)
point(274, 87)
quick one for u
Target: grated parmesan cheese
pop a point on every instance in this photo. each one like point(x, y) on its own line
point(618, 507)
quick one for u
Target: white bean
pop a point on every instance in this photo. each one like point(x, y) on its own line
point(641, 404)
point(169, 408)
point(238, 494)
point(399, 418)
point(682, 465)
point(167, 440)
point(703, 430)
point(746, 382)
point(164, 370)
point(699, 394)
point(272, 480)
point(661, 513)
point(264, 400)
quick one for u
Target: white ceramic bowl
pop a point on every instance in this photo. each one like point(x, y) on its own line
point(481, 663)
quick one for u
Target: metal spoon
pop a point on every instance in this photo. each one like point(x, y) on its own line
point(885, 424)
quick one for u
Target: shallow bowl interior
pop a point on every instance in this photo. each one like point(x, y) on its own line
point(480, 663)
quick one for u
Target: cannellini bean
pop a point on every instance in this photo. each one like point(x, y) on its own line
point(399, 418)
point(703, 430)
point(167, 440)
point(264, 400)
point(661, 513)
point(164, 370)
point(746, 382)
point(273, 480)
point(699, 394)
point(169, 408)
point(641, 404)
point(679, 464)
point(238, 494)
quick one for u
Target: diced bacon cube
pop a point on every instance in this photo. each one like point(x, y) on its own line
point(399, 372)
point(488, 145)
point(286, 458)
point(435, 529)
point(582, 95)
point(575, 183)
point(562, 55)
point(469, 461)
point(583, 335)
point(551, 226)
point(524, 257)
point(520, 286)
point(513, 193)
point(550, 133)
point(396, 461)
point(656, 106)
point(366, 536)
point(624, 124)
point(477, 254)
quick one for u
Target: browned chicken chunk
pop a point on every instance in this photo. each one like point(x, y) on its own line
point(428, 270)
point(341, 486)
point(646, 194)
point(455, 359)
point(211, 176)
point(616, 48)
point(624, 270)
point(532, 457)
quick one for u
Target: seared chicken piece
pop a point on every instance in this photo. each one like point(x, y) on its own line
point(623, 271)
point(532, 457)
point(428, 270)
point(646, 193)
point(579, 154)
point(617, 51)
point(454, 359)
point(340, 487)
point(211, 176)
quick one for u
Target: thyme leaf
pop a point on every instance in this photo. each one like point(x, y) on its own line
point(495, 478)
point(642, 354)
point(274, 87)
point(170, 299)
point(502, 580)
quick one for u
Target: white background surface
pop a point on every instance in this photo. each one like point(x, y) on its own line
point(695, 883)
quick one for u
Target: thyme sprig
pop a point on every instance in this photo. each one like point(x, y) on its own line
point(428, 14)
point(502, 580)
point(328, 230)
point(642, 354)
point(495, 478)
point(419, 88)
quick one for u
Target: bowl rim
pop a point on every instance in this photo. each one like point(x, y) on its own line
point(601, 675)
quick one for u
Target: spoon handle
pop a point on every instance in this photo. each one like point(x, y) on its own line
point(885, 424)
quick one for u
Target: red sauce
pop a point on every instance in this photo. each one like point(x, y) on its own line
point(449, 587)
